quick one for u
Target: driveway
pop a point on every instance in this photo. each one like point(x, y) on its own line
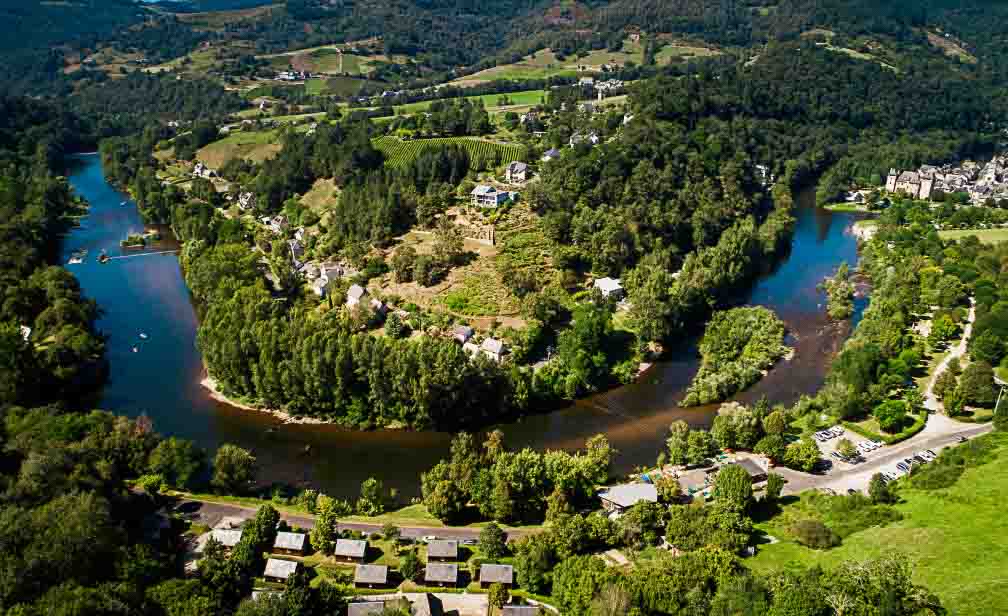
point(940, 432)
point(931, 401)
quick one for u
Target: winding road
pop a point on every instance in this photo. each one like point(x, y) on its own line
point(931, 401)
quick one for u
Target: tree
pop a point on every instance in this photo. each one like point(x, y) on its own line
point(774, 487)
point(410, 565)
point(772, 446)
point(326, 530)
point(403, 262)
point(700, 446)
point(669, 490)
point(151, 484)
point(576, 581)
point(678, 442)
point(977, 384)
point(391, 532)
point(944, 383)
point(498, 596)
point(534, 559)
point(449, 243)
point(372, 498)
point(733, 487)
point(878, 490)
point(891, 415)
point(802, 455)
point(943, 329)
point(613, 600)
point(493, 541)
point(234, 469)
point(394, 326)
point(179, 461)
point(775, 423)
point(846, 448)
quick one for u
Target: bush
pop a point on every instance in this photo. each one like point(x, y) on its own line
point(814, 534)
point(891, 415)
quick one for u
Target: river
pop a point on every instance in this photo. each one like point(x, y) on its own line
point(144, 293)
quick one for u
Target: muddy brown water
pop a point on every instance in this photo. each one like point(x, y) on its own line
point(146, 294)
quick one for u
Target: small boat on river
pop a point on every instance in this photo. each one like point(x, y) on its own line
point(103, 257)
point(77, 256)
point(143, 336)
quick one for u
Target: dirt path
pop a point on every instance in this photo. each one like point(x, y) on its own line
point(931, 401)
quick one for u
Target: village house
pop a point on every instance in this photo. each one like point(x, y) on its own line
point(462, 333)
point(485, 195)
point(443, 550)
point(517, 172)
point(550, 154)
point(355, 295)
point(202, 171)
point(25, 332)
point(609, 287)
point(350, 550)
point(586, 82)
point(278, 570)
point(365, 608)
point(617, 499)
point(277, 224)
point(916, 184)
point(292, 544)
point(246, 200)
point(579, 138)
point(441, 574)
point(496, 574)
point(493, 348)
point(378, 306)
point(370, 576)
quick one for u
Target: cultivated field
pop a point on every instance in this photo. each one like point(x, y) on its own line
point(399, 153)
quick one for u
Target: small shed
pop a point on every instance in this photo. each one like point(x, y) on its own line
point(441, 574)
point(355, 294)
point(496, 574)
point(278, 570)
point(365, 608)
point(445, 550)
point(227, 537)
point(350, 550)
point(290, 543)
point(370, 576)
point(609, 287)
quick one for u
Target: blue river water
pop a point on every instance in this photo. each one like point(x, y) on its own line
point(142, 292)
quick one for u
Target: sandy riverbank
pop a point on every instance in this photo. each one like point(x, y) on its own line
point(210, 385)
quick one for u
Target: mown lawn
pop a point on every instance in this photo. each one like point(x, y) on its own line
point(253, 146)
point(986, 236)
point(955, 538)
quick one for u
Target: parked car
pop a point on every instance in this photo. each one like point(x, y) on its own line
point(903, 467)
point(931, 452)
point(962, 439)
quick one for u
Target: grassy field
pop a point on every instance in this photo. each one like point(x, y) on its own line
point(986, 236)
point(524, 98)
point(399, 153)
point(257, 147)
point(845, 207)
point(218, 20)
point(678, 51)
point(539, 65)
point(955, 538)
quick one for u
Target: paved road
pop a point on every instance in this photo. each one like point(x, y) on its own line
point(940, 432)
point(211, 514)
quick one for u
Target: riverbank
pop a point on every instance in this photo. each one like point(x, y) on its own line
point(215, 393)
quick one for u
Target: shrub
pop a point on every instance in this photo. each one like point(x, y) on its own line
point(814, 534)
point(891, 415)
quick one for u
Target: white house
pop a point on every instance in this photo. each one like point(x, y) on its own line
point(355, 295)
point(485, 195)
point(493, 348)
point(517, 172)
point(610, 287)
point(579, 138)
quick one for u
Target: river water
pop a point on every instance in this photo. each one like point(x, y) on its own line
point(143, 292)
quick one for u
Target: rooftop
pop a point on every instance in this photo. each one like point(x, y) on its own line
point(608, 285)
point(365, 608)
point(751, 466)
point(370, 574)
point(228, 537)
point(629, 494)
point(502, 574)
point(493, 345)
point(278, 568)
point(356, 292)
point(520, 610)
point(441, 572)
point(484, 189)
point(427, 605)
point(443, 548)
point(290, 541)
point(350, 548)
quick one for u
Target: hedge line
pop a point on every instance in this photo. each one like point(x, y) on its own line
point(913, 429)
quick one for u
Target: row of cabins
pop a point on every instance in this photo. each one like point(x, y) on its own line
point(426, 605)
point(437, 574)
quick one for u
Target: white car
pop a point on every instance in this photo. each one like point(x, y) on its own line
point(428, 538)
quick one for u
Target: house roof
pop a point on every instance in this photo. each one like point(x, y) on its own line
point(228, 537)
point(551, 153)
point(493, 345)
point(350, 548)
point(427, 605)
point(441, 572)
point(463, 332)
point(517, 166)
point(443, 548)
point(502, 574)
point(629, 494)
point(278, 568)
point(356, 292)
point(520, 610)
point(370, 574)
point(484, 189)
point(750, 466)
point(608, 285)
point(290, 541)
point(365, 608)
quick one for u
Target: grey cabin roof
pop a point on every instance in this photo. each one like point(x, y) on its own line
point(501, 574)
point(520, 610)
point(290, 541)
point(441, 572)
point(228, 537)
point(751, 467)
point(350, 548)
point(608, 285)
point(278, 568)
point(629, 494)
point(493, 345)
point(356, 292)
point(427, 605)
point(365, 608)
point(443, 548)
point(370, 574)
